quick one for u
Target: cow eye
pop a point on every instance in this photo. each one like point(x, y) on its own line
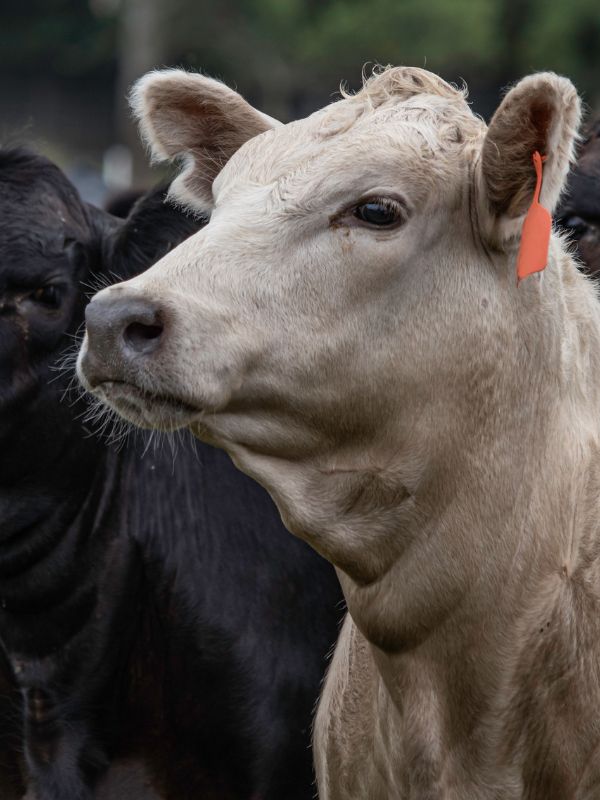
point(577, 225)
point(380, 212)
point(49, 296)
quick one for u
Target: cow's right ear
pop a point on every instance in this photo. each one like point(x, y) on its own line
point(187, 116)
point(541, 113)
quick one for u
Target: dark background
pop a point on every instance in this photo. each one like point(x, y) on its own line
point(66, 65)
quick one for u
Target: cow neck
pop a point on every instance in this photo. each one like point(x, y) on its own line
point(483, 645)
point(57, 519)
point(70, 603)
point(484, 635)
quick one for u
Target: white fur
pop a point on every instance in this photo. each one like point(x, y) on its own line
point(427, 426)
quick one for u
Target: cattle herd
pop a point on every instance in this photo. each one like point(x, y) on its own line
point(163, 635)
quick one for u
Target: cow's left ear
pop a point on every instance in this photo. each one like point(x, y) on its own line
point(541, 113)
point(197, 119)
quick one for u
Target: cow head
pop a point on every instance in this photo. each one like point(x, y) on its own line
point(53, 249)
point(349, 318)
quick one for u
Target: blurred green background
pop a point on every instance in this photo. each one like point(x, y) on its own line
point(66, 65)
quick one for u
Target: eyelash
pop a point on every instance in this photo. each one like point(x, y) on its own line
point(393, 208)
point(373, 212)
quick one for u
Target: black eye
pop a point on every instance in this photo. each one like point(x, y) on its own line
point(49, 296)
point(577, 225)
point(382, 213)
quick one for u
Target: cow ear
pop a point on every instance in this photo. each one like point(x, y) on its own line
point(200, 120)
point(541, 113)
point(104, 229)
point(153, 227)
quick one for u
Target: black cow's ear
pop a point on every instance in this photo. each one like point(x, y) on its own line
point(154, 226)
point(104, 228)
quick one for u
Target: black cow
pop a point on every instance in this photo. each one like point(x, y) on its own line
point(579, 211)
point(162, 636)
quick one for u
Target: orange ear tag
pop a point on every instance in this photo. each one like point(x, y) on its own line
point(535, 236)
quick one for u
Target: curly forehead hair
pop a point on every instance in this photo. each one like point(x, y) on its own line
point(418, 92)
point(385, 83)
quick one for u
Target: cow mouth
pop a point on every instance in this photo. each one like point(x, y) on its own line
point(146, 409)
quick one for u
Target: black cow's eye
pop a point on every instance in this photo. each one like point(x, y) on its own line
point(383, 213)
point(49, 296)
point(577, 225)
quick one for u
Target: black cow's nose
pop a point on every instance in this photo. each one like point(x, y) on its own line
point(121, 328)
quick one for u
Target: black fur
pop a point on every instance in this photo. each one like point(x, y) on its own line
point(161, 630)
point(579, 209)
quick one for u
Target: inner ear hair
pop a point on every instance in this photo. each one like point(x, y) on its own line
point(197, 120)
point(541, 113)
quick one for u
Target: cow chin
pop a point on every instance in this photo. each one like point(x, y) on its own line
point(148, 405)
point(145, 409)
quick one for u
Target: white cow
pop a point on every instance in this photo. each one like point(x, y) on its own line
point(349, 328)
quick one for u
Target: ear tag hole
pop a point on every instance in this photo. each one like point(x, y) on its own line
point(535, 236)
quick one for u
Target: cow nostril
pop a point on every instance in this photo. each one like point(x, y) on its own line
point(141, 337)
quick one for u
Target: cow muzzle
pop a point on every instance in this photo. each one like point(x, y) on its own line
point(163, 360)
point(121, 355)
point(122, 331)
